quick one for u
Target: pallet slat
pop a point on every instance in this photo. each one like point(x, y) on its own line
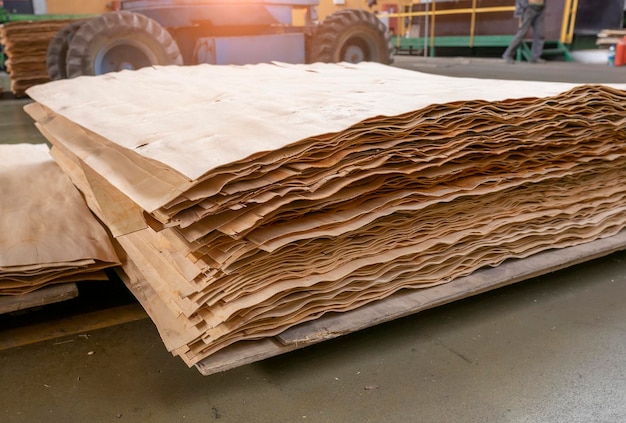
point(48, 295)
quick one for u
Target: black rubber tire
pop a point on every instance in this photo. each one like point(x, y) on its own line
point(120, 40)
point(353, 36)
point(56, 54)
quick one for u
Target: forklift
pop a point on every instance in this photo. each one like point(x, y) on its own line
point(188, 32)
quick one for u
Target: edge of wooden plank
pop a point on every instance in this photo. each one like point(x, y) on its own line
point(72, 325)
point(405, 303)
point(242, 353)
point(42, 296)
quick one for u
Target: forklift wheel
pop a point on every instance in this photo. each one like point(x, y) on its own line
point(351, 36)
point(57, 50)
point(120, 40)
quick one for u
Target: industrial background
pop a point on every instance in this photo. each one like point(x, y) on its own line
point(542, 342)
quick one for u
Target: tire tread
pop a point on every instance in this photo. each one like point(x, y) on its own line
point(323, 45)
point(117, 24)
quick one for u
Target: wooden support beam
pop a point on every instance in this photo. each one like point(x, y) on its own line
point(48, 295)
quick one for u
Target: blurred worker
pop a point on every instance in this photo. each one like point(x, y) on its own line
point(531, 12)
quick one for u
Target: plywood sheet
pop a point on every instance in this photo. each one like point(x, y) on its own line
point(268, 196)
point(25, 44)
point(47, 232)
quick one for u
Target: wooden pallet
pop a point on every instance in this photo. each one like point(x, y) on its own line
point(609, 37)
point(47, 295)
point(69, 325)
point(406, 303)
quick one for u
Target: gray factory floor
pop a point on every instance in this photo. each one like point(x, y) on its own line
point(550, 349)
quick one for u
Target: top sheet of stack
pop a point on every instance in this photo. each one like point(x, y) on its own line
point(227, 114)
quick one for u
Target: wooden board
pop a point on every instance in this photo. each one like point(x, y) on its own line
point(406, 303)
point(48, 295)
point(609, 37)
point(70, 325)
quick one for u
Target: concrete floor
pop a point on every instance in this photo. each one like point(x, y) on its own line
point(555, 71)
point(551, 349)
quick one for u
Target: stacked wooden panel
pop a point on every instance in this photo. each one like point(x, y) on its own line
point(25, 45)
point(250, 199)
point(47, 233)
point(608, 37)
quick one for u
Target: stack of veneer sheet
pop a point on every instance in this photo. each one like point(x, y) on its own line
point(248, 199)
point(48, 235)
point(25, 45)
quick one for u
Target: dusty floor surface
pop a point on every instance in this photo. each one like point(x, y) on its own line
point(551, 349)
point(556, 71)
point(546, 350)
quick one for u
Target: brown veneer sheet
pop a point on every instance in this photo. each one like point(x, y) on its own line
point(259, 197)
point(47, 233)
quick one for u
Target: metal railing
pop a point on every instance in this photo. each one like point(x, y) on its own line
point(431, 13)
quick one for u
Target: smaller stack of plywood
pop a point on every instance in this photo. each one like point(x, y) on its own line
point(608, 37)
point(47, 234)
point(25, 45)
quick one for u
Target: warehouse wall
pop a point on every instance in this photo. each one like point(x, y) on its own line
point(18, 6)
point(591, 19)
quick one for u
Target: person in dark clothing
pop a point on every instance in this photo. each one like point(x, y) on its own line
point(531, 12)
